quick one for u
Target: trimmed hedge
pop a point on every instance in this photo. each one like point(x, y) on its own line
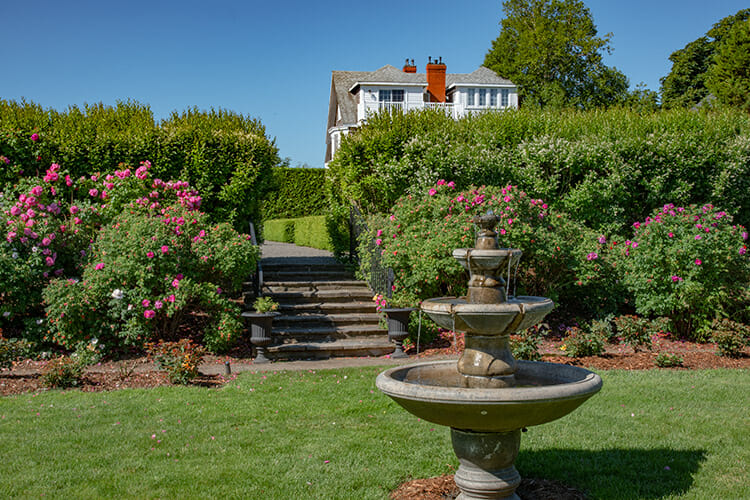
point(297, 192)
point(303, 231)
point(605, 168)
point(226, 156)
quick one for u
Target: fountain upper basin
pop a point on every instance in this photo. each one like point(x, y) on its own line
point(504, 318)
point(434, 391)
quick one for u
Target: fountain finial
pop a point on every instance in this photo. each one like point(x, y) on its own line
point(486, 236)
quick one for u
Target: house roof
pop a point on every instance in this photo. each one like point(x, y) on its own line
point(345, 83)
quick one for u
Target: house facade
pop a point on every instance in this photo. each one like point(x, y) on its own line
point(357, 94)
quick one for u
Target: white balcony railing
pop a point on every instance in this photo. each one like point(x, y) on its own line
point(447, 107)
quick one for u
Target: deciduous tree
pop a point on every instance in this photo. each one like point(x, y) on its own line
point(551, 49)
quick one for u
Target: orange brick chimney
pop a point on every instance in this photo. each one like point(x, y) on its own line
point(410, 67)
point(436, 80)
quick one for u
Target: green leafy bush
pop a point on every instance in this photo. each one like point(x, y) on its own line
point(279, 230)
point(578, 343)
point(180, 360)
point(604, 168)
point(148, 271)
point(688, 264)
point(227, 156)
point(417, 239)
point(730, 337)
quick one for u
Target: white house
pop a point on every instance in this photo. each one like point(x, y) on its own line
point(356, 94)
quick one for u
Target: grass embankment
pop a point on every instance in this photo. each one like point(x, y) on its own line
point(332, 434)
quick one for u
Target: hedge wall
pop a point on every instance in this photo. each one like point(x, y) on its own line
point(227, 156)
point(605, 168)
point(297, 192)
point(304, 231)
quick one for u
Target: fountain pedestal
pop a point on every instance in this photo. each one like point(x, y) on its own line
point(486, 469)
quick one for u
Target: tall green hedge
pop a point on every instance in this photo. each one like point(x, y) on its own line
point(605, 168)
point(226, 156)
point(297, 192)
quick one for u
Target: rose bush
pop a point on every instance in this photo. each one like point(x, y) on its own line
point(149, 269)
point(417, 237)
point(689, 264)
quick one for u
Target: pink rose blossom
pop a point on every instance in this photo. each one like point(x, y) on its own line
point(34, 137)
point(698, 262)
point(99, 266)
point(73, 209)
point(149, 313)
point(433, 192)
point(175, 283)
point(93, 192)
point(145, 302)
point(158, 304)
point(164, 249)
point(171, 298)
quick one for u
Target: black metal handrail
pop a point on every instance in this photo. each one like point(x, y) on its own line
point(380, 279)
point(257, 277)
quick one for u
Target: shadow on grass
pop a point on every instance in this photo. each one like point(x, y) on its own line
point(616, 473)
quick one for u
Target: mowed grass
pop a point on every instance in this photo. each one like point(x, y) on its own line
point(332, 434)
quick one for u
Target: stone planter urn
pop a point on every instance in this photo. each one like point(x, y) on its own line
point(398, 327)
point(260, 332)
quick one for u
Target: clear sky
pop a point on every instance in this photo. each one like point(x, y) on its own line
point(272, 59)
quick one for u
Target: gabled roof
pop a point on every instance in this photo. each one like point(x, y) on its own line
point(344, 85)
point(480, 76)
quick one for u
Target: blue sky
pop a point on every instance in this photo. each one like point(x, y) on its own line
point(273, 59)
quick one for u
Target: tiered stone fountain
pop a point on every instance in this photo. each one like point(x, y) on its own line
point(487, 397)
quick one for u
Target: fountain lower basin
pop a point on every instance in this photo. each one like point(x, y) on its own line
point(543, 392)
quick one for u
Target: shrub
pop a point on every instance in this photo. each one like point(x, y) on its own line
point(634, 331)
point(417, 238)
point(525, 345)
point(602, 328)
point(227, 156)
point(147, 272)
point(578, 343)
point(605, 168)
point(730, 337)
point(688, 264)
point(62, 372)
point(180, 360)
point(265, 304)
point(667, 360)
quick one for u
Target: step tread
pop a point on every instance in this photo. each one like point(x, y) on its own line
point(329, 330)
point(383, 345)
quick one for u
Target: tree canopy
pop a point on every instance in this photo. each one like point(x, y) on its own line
point(729, 76)
point(552, 51)
point(686, 84)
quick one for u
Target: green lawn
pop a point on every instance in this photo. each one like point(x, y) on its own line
point(331, 434)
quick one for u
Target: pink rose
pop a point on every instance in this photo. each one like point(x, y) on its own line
point(34, 137)
point(93, 192)
point(73, 209)
point(149, 313)
point(99, 266)
point(175, 283)
point(150, 254)
point(164, 249)
point(171, 298)
point(146, 303)
point(158, 304)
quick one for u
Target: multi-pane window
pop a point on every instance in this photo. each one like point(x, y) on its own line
point(493, 98)
point(395, 95)
point(504, 97)
point(483, 97)
point(470, 97)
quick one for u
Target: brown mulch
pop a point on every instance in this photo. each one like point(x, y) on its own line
point(444, 488)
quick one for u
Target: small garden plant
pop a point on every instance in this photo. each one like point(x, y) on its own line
point(265, 304)
point(525, 345)
point(730, 337)
point(579, 343)
point(634, 331)
point(668, 360)
point(179, 360)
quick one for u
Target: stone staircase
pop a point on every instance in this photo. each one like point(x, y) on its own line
point(324, 311)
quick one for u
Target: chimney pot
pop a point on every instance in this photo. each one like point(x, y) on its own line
point(436, 79)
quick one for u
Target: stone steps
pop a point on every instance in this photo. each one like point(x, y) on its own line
point(325, 312)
